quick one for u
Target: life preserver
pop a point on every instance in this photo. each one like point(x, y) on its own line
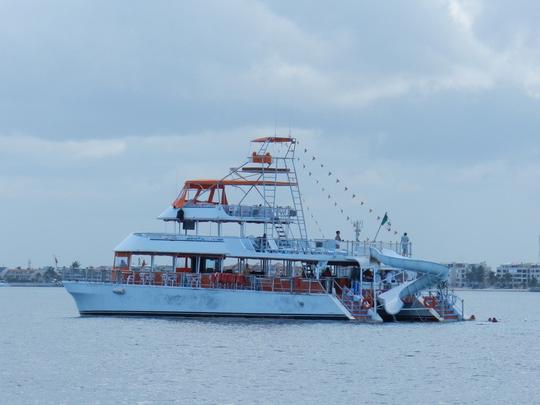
point(367, 303)
point(430, 302)
point(408, 299)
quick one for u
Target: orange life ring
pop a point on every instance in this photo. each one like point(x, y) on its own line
point(408, 299)
point(430, 302)
point(367, 303)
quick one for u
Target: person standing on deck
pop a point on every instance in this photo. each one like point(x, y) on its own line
point(405, 242)
point(356, 274)
point(338, 239)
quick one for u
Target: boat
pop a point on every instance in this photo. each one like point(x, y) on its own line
point(240, 248)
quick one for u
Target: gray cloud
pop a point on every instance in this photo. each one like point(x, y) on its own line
point(433, 104)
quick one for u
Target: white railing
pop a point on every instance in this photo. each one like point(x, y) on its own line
point(230, 281)
point(260, 211)
point(272, 245)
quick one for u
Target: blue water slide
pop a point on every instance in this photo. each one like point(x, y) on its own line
point(431, 274)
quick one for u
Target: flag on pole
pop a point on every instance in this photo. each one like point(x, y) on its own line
point(385, 219)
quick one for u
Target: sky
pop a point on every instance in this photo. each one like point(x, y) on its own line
point(428, 109)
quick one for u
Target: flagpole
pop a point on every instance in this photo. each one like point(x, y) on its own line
point(384, 220)
point(377, 234)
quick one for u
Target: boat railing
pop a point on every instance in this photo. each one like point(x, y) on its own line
point(447, 301)
point(300, 246)
point(361, 248)
point(260, 211)
point(87, 274)
point(229, 281)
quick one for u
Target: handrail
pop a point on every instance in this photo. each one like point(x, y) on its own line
point(309, 246)
point(230, 281)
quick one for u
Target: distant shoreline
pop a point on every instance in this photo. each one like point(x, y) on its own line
point(32, 285)
point(493, 289)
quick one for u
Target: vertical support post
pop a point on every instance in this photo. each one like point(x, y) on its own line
point(361, 282)
point(152, 262)
point(373, 291)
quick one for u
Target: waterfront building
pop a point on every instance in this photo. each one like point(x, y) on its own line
point(519, 275)
point(468, 275)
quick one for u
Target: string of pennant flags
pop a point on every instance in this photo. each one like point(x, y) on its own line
point(310, 164)
point(313, 218)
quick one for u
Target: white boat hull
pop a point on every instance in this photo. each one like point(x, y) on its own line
point(143, 300)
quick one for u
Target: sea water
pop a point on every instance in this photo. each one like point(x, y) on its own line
point(50, 355)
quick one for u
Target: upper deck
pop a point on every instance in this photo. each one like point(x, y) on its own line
point(249, 247)
point(257, 214)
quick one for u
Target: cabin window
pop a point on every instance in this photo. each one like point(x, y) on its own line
point(141, 262)
point(121, 262)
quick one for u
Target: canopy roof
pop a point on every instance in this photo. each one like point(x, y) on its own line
point(200, 187)
point(274, 139)
point(220, 183)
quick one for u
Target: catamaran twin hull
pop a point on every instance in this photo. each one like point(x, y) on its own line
point(280, 273)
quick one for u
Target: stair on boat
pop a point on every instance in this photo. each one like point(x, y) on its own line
point(355, 307)
point(447, 312)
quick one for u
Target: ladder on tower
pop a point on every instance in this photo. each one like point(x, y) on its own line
point(297, 202)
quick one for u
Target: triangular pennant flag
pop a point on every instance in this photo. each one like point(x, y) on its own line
point(337, 180)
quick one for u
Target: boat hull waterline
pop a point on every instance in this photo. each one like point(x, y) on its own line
point(140, 300)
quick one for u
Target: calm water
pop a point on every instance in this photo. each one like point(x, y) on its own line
point(50, 355)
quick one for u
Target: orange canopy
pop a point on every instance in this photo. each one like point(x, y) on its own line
point(213, 185)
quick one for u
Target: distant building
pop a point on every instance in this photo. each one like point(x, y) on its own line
point(19, 275)
point(519, 275)
point(462, 275)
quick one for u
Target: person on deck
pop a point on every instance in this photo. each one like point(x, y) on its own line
point(405, 242)
point(264, 242)
point(355, 280)
point(338, 239)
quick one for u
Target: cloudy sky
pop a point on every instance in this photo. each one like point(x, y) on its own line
point(429, 109)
